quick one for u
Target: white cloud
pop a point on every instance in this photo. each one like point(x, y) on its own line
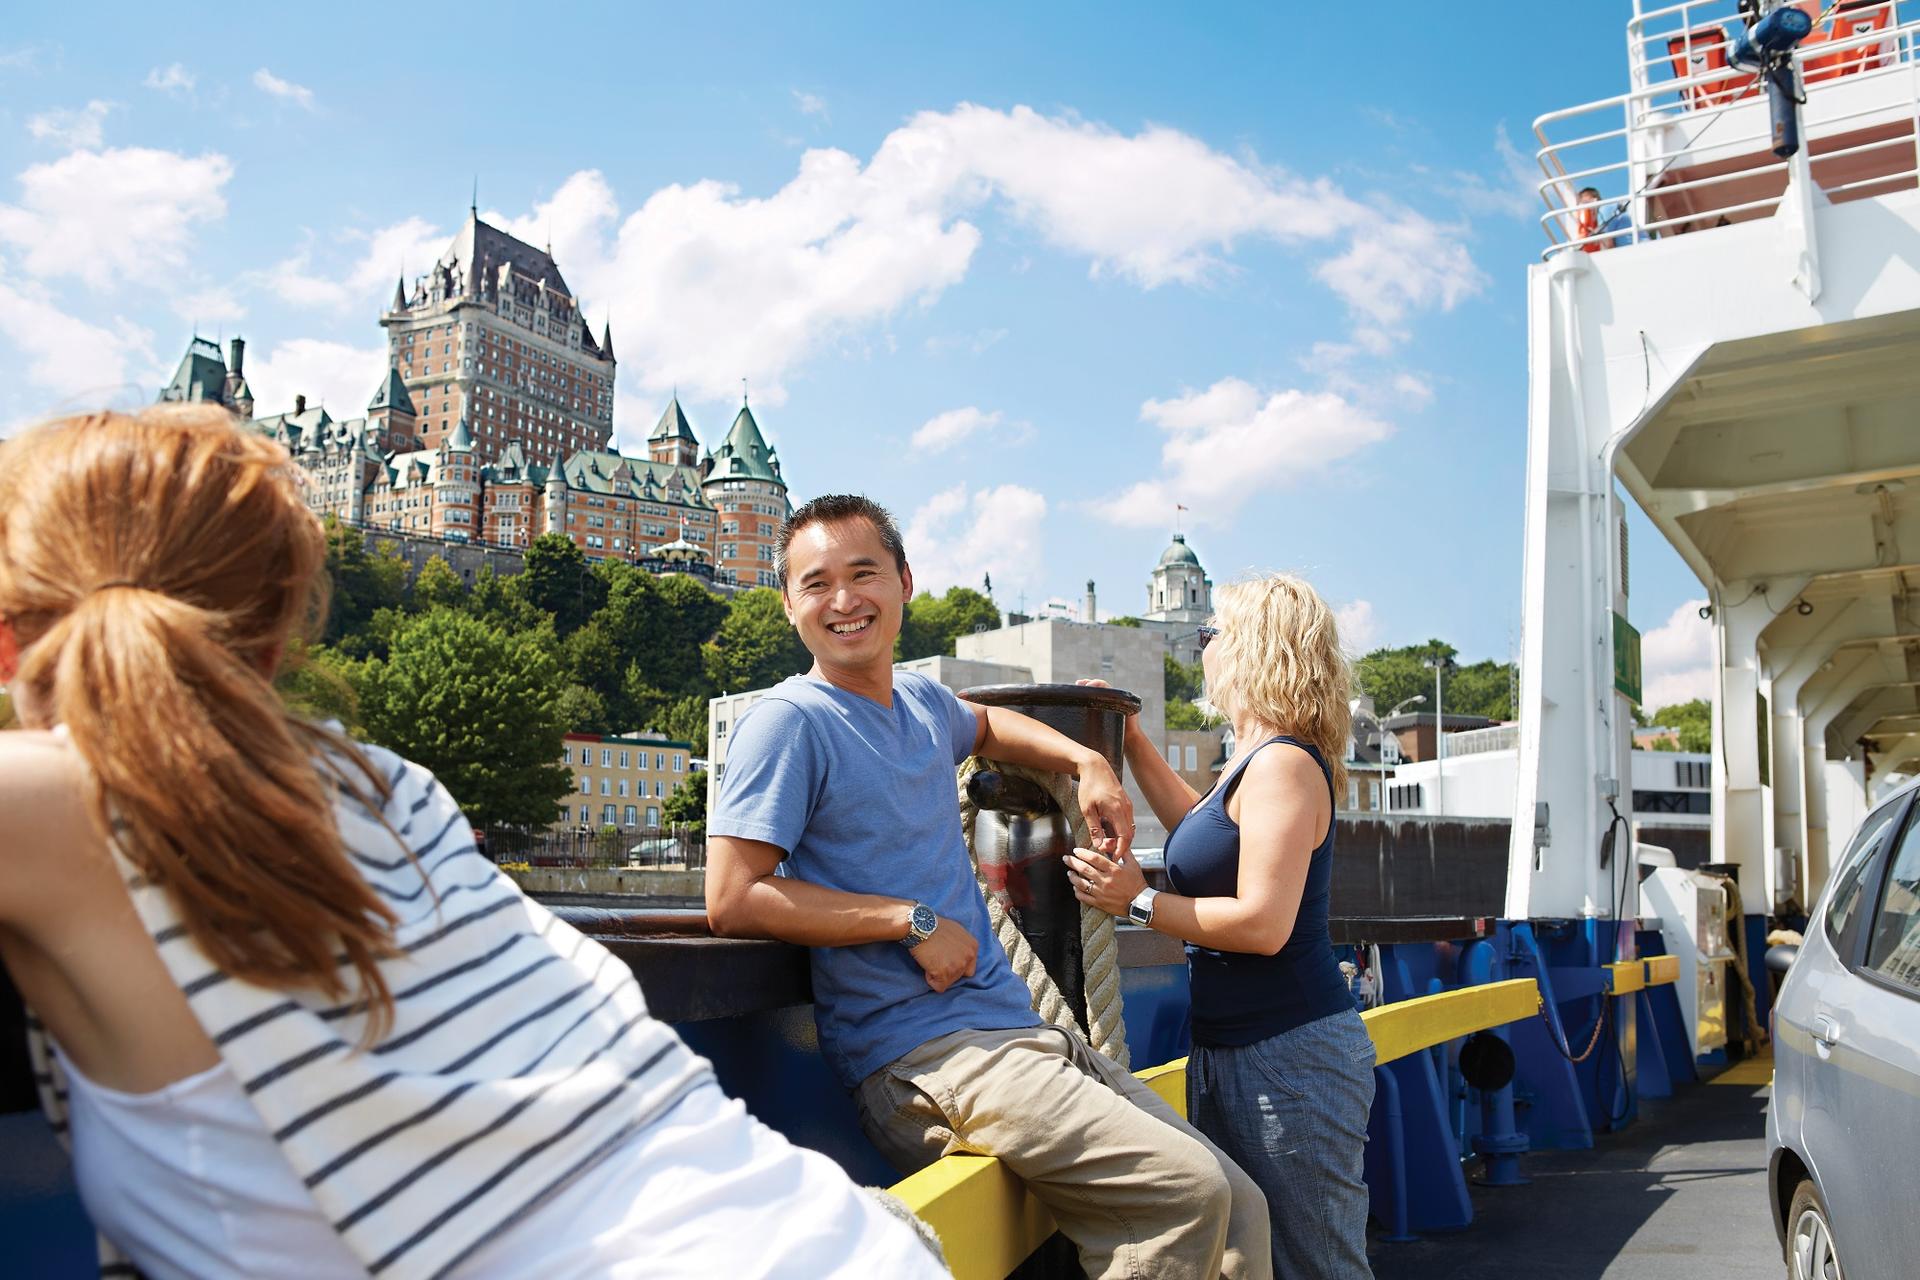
point(708, 285)
point(811, 104)
point(173, 78)
point(108, 216)
point(71, 129)
point(334, 374)
point(286, 90)
point(1359, 629)
point(1676, 658)
point(1231, 442)
point(68, 356)
point(408, 247)
point(958, 537)
point(943, 431)
point(213, 305)
point(1513, 192)
point(1413, 389)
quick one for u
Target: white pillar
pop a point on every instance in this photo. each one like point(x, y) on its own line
point(1743, 820)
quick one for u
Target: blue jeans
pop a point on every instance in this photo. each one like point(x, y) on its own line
point(1292, 1111)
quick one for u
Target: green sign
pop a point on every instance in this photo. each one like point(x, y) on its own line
point(1626, 658)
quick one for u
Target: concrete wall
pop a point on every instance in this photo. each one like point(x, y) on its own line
point(465, 558)
point(1060, 652)
point(606, 880)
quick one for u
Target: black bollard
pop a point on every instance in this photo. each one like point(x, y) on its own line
point(1022, 837)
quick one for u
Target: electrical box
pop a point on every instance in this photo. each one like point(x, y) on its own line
point(1692, 911)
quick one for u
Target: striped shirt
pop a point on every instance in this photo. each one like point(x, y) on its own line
point(520, 1052)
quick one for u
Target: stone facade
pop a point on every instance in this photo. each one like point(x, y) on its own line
point(492, 336)
point(621, 780)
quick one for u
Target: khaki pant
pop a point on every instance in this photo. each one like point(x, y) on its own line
point(1137, 1188)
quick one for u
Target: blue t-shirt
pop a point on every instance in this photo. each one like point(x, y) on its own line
point(862, 799)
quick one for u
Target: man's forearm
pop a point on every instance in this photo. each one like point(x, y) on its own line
point(808, 914)
point(1016, 739)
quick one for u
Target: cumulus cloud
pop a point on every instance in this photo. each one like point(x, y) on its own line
point(172, 78)
point(708, 284)
point(407, 246)
point(945, 430)
point(1676, 658)
point(1359, 629)
point(81, 127)
point(1513, 191)
point(958, 537)
point(123, 214)
point(334, 374)
point(1413, 389)
point(286, 90)
point(212, 305)
point(1232, 441)
point(67, 356)
point(811, 104)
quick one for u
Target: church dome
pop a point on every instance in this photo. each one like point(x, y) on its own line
point(1179, 553)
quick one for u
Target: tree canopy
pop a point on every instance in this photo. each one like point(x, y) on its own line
point(932, 623)
point(755, 646)
point(1392, 676)
point(558, 580)
point(478, 706)
point(1693, 720)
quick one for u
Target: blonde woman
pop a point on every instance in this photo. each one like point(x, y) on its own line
point(292, 1022)
point(1281, 1074)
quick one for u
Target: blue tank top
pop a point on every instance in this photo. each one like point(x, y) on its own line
point(1238, 997)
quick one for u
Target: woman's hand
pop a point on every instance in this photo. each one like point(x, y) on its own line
point(1133, 728)
point(1111, 884)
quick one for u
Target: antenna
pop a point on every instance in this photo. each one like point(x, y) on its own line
point(473, 206)
point(743, 392)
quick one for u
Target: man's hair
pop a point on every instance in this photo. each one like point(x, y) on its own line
point(831, 508)
point(1588, 191)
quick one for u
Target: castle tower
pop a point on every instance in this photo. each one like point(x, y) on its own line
point(749, 497)
point(672, 440)
point(493, 336)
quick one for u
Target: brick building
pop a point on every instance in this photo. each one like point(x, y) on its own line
point(494, 425)
point(491, 335)
point(621, 780)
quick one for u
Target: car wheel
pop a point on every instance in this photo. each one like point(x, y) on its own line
point(1810, 1253)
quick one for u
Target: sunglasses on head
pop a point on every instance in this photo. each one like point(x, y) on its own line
point(1208, 635)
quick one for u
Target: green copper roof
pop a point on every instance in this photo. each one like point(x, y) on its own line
point(674, 425)
point(462, 441)
point(202, 375)
point(744, 455)
point(392, 395)
point(1179, 553)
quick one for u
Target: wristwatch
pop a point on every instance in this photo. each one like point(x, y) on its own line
point(920, 926)
point(1140, 910)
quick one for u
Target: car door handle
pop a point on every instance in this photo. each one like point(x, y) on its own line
point(1826, 1032)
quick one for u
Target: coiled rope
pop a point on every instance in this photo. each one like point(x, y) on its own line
point(1099, 947)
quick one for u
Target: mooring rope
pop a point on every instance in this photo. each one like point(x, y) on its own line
point(1099, 946)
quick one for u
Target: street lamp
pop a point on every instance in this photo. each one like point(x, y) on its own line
point(1386, 793)
point(1439, 663)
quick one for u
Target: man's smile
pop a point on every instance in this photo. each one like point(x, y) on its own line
point(853, 627)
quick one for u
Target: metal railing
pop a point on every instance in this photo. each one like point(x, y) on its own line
point(678, 846)
point(1696, 133)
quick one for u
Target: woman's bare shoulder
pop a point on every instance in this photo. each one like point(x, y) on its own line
point(42, 790)
point(1284, 767)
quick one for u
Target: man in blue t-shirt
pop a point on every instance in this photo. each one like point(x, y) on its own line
point(838, 828)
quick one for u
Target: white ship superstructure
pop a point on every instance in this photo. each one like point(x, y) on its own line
point(1732, 338)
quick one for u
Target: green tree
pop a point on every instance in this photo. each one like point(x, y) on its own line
point(685, 720)
point(1481, 689)
point(1128, 621)
point(320, 683)
point(1694, 720)
point(437, 586)
point(558, 580)
point(932, 623)
point(688, 803)
point(659, 623)
point(755, 646)
point(496, 600)
point(480, 707)
point(362, 581)
point(1185, 681)
point(581, 710)
point(1182, 714)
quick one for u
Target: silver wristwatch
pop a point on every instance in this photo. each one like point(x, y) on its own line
point(1140, 910)
point(920, 926)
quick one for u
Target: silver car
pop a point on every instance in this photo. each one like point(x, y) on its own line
point(1843, 1126)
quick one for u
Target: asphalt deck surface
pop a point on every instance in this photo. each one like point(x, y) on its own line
point(1681, 1193)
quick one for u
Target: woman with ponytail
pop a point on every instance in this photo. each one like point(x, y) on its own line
point(289, 1021)
point(1281, 1074)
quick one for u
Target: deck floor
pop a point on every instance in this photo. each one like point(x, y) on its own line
point(1679, 1195)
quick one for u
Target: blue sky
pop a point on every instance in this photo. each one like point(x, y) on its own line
point(1031, 275)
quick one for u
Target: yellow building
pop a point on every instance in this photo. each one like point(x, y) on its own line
point(621, 780)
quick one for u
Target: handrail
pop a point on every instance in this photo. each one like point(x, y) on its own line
point(989, 1223)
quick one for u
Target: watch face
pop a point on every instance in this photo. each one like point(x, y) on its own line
point(924, 921)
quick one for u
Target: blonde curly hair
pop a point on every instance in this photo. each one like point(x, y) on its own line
point(1279, 660)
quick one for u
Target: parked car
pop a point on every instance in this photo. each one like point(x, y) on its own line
point(1844, 1120)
